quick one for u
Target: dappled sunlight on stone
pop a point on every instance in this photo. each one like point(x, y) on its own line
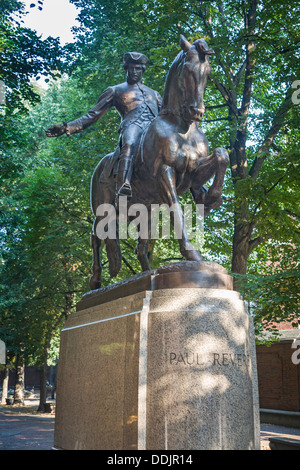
point(172, 368)
point(207, 345)
point(235, 328)
point(211, 382)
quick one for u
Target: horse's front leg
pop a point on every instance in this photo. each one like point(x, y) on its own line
point(216, 165)
point(142, 254)
point(143, 248)
point(95, 279)
point(169, 194)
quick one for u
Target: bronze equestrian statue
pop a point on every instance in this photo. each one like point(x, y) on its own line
point(172, 158)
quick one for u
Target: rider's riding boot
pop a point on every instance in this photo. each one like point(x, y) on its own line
point(123, 178)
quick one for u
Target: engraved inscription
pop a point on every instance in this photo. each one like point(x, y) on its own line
point(224, 359)
point(186, 358)
point(230, 359)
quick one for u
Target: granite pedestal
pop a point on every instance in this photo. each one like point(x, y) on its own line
point(144, 365)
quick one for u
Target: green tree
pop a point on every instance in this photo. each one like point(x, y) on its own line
point(24, 57)
point(250, 104)
point(45, 183)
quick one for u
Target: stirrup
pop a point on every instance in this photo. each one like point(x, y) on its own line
point(125, 190)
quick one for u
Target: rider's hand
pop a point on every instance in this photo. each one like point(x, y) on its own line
point(56, 131)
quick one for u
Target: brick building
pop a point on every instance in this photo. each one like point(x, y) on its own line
point(279, 372)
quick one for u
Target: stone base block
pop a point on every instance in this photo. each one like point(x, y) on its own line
point(164, 369)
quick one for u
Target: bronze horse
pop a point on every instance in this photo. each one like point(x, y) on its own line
point(172, 159)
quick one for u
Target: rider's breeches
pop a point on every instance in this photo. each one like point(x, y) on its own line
point(129, 144)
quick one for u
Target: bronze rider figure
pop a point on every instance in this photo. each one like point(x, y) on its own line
point(137, 105)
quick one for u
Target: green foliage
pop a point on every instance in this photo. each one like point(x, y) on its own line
point(273, 294)
point(25, 318)
point(24, 56)
point(45, 253)
point(247, 105)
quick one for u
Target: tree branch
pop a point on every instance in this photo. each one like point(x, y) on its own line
point(256, 242)
point(128, 265)
point(250, 19)
point(221, 10)
point(215, 106)
point(227, 96)
point(217, 119)
point(278, 122)
point(237, 77)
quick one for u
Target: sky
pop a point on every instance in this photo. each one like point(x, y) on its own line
point(56, 19)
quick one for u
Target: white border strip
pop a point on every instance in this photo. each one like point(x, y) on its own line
point(142, 391)
point(101, 321)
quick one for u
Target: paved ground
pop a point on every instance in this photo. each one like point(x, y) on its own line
point(23, 428)
point(270, 430)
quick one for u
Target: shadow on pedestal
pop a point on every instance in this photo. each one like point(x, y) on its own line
point(162, 361)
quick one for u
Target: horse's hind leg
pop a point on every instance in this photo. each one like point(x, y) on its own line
point(95, 279)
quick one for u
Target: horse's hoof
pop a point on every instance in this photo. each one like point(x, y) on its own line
point(94, 283)
point(194, 255)
point(212, 205)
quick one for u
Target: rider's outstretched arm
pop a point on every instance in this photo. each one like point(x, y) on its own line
point(104, 103)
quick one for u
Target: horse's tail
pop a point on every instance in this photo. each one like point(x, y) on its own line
point(103, 192)
point(97, 195)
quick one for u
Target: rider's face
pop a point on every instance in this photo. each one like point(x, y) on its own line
point(134, 73)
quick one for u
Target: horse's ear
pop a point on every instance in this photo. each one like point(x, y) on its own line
point(184, 43)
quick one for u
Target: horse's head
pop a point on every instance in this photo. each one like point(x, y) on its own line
point(187, 78)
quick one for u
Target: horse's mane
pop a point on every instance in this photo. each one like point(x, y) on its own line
point(171, 101)
point(171, 79)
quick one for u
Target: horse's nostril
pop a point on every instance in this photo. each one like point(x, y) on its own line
point(199, 110)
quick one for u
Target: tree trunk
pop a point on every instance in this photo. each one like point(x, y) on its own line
point(240, 254)
point(20, 382)
point(5, 385)
point(43, 381)
point(241, 240)
point(53, 375)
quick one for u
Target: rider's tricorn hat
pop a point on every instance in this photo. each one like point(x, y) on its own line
point(135, 58)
